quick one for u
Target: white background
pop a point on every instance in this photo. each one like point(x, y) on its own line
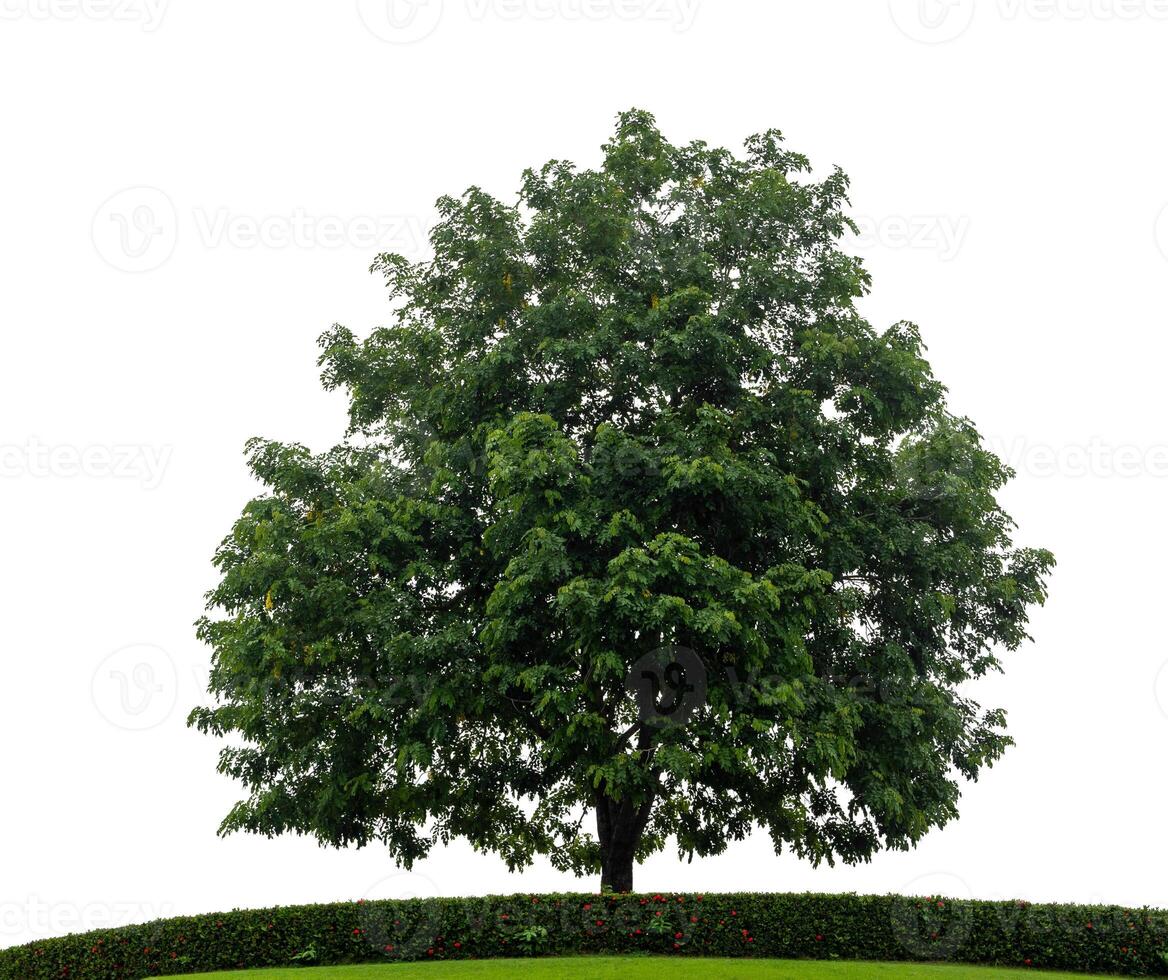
point(192, 192)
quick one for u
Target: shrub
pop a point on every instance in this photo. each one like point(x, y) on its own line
point(1097, 939)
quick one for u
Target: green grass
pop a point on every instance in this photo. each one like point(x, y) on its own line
point(655, 968)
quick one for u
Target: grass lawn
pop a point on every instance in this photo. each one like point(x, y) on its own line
point(619, 968)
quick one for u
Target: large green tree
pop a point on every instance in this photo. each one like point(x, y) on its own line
point(640, 533)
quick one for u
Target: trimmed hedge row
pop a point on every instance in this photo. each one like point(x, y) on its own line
point(1091, 939)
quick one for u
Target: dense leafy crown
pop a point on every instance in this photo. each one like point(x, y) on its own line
point(638, 409)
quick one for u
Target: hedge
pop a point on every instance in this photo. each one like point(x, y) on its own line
point(1095, 939)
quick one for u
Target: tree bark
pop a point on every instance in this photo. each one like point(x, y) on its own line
point(616, 874)
point(619, 826)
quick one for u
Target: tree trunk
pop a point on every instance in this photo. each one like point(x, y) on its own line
point(618, 828)
point(616, 874)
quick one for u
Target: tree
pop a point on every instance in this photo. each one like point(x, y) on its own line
point(636, 519)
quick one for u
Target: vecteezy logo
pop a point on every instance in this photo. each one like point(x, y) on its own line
point(937, 469)
point(136, 687)
point(932, 21)
point(136, 229)
point(932, 926)
point(399, 917)
point(1161, 231)
point(401, 21)
point(669, 685)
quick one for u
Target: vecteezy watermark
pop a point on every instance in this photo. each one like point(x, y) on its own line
point(299, 229)
point(398, 918)
point(937, 21)
point(38, 460)
point(1094, 457)
point(32, 918)
point(147, 14)
point(943, 234)
point(928, 475)
point(401, 21)
point(930, 926)
point(137, 230)
point(1161, 231)
point(136, 687)
point(669, 685)
point(1160, 688)
point(1073, 10)
point(932, 21)
point(408, 21)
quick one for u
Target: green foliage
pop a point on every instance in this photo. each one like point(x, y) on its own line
point(1098, 939)
point(533, 937)
point(637, 410)
point(308, 955)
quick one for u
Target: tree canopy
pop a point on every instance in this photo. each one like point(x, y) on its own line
point(640, 535)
